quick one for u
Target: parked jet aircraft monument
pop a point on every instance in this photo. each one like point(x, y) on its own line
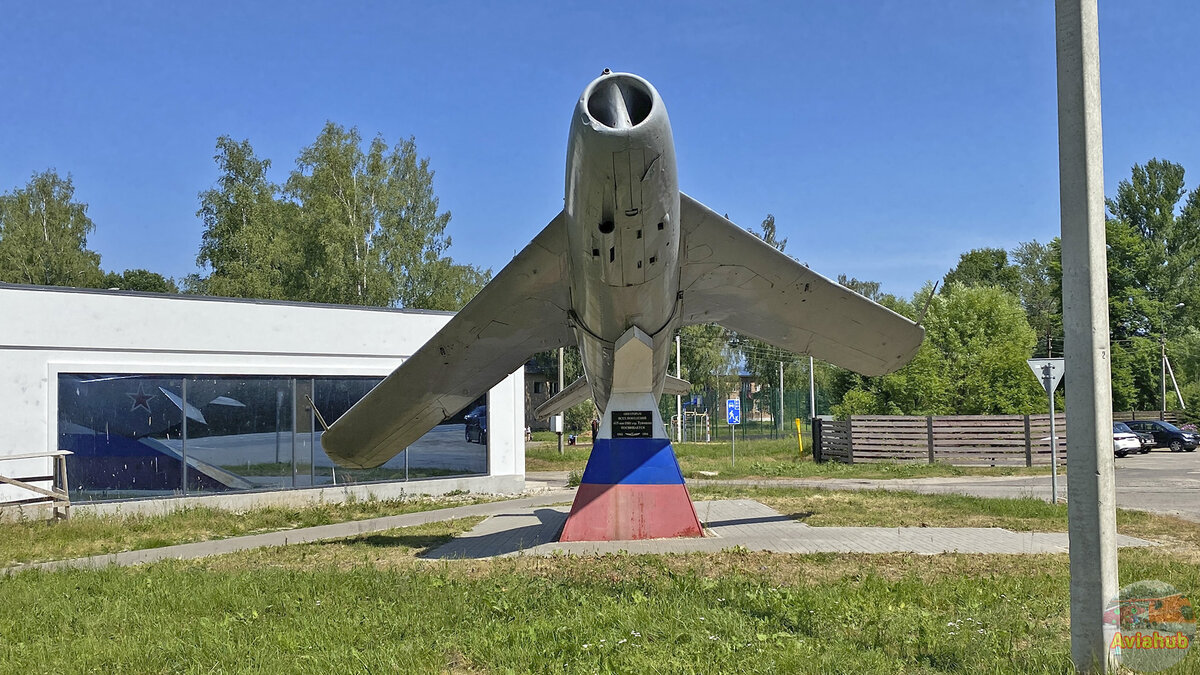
point(628, 261)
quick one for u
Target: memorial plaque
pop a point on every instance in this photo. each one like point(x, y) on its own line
point(632, 424)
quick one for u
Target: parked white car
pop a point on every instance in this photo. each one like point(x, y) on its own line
point(1124, 440)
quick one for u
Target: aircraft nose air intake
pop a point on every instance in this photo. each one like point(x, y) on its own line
point(620, 102)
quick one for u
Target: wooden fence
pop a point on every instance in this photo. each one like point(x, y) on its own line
point(970, 440)
point(1167, 416)
point(988, 440)
point(58, 495)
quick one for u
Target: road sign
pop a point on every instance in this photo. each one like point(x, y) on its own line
point(733, 411)
point(1048, 371)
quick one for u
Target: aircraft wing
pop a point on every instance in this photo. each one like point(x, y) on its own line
point(524, 310)
point(731, 277)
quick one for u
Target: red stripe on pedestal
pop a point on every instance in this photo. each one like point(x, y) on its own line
point(621, 512)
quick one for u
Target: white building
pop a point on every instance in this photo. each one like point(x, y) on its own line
point(220, 401)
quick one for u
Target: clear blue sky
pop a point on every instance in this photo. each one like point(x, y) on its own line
point(886, 137)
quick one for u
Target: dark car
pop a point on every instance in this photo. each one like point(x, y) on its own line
point(477, 425)
point(1147, 441)
point(1167, 435)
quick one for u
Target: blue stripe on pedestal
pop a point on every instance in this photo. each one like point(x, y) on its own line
point(632, 461)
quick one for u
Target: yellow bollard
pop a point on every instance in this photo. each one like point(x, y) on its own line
point(800, 436)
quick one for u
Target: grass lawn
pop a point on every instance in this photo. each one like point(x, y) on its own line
point(85, 535)
point(368, 604)
point(765, 459)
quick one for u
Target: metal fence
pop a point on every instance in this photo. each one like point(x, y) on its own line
point(760, 413)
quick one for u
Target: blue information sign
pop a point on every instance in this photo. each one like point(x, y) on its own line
point(733, 411)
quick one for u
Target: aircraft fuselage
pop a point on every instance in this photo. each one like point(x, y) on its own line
point(622, 208)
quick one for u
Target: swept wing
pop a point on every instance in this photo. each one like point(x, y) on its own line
point(733, 278)
point(524, 310)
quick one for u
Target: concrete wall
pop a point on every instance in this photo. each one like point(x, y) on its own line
point(47, 331)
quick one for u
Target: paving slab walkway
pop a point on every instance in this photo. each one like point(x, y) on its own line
point(531, 525)
point(332, 531)
point(748, 524)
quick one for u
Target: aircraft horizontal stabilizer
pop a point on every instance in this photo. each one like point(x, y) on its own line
point(578, 391)
point(523, 311)
point(572, 395)
point(677, 387)
point(731, 277)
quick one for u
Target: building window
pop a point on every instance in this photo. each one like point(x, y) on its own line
point(135, 435)
point(537, 386)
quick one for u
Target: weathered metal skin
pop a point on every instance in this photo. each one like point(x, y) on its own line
point(622, 209)
point(628, 260)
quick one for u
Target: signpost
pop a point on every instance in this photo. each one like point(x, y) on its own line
point(733, 415)
point(1050, 372)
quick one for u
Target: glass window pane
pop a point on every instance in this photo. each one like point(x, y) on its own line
point(455, 447)
point(125, 433)
point(240, 435)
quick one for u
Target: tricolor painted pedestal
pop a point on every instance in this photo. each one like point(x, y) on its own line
point(632, 489)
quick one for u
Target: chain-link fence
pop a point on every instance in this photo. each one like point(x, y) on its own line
point(704, 413)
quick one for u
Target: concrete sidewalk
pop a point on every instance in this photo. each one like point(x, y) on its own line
point(748, 524)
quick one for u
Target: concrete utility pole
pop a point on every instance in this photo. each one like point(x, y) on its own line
point(1091, 494)
point(562, 416)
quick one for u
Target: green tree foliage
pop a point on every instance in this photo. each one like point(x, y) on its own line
point(867, 289)
point(43, 235)
point(705, 356)
point(354, 224)
point(971, 362)
point(371, 230)
point(140, 280)
point(984, 267)
point(1153, 234)
point(1154, 240)
point(1037, 286)
point(250, 234)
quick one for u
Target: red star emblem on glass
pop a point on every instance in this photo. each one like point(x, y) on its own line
point(140, 399)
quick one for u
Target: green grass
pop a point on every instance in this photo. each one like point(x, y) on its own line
point(85, 535)
point(369, 604)
point(767, 459)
